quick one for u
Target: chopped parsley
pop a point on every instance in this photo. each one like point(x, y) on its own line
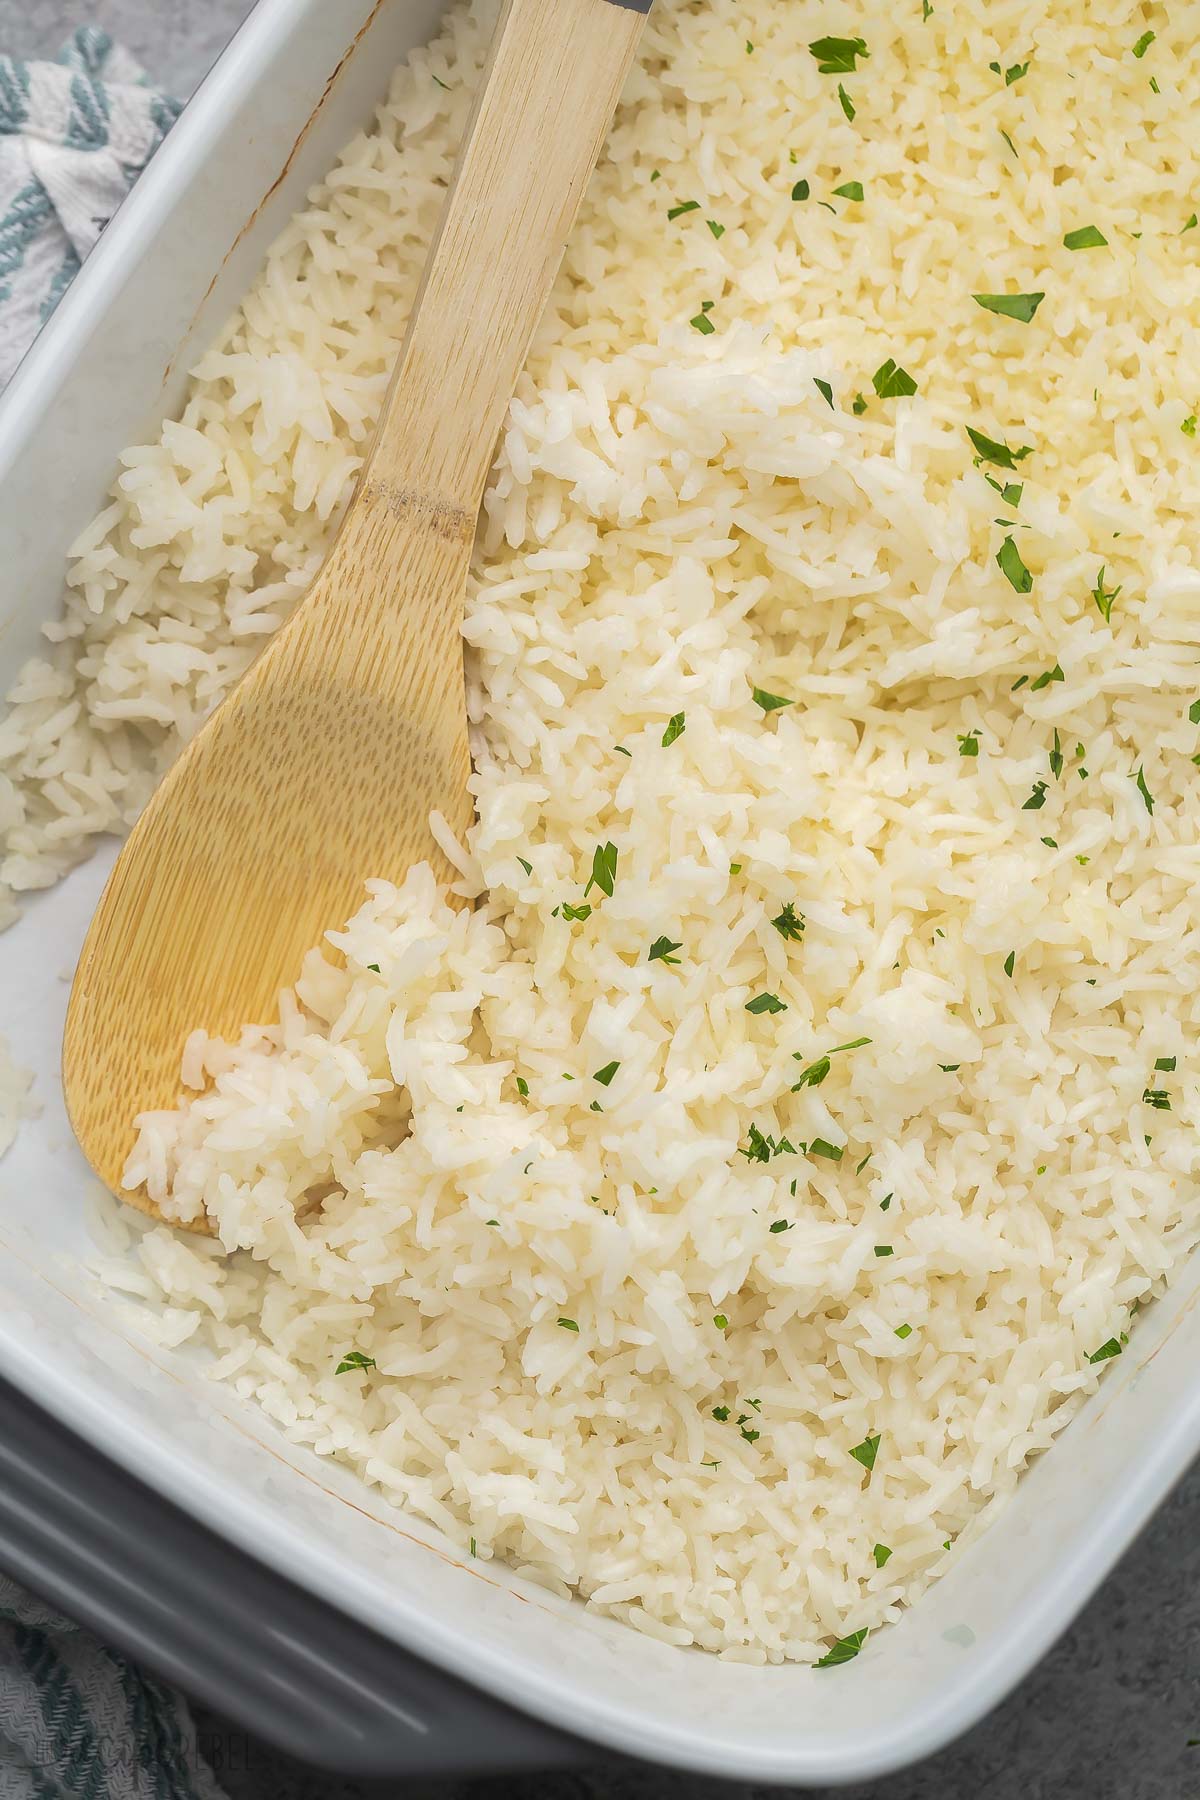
point(703, 324)
point(884, 1250)
point(1188, 427)
point(1051, 843)
point(718, 231)
point(471, 1541)
point(583, 911)
point(847, 1648)
point(891, 381)
point(1165, 1065)
point(721, 1413)
point(354, 1359)
point(903, 1331)
point(823, 388)
point(604, 870)
point(822, 1147)
point(881, 1554)
point(1104, 597)
point(1010, 963)
point(801, 191)
point(859, 405)
point(1008, 559)
point(1011, 306)
point(789, 923)
point(886, 1202)
point(837, 56)
point(1144, 791)
point(968, 742)
point(1111, 1348)
point(766, 1003)
point(814, 1075)
point(993, 451)
point(779, 1225)
point(769, 702)
point(527, 866)
point(1191, 224)
point(374, 968)
point(568, 1325)
point(846, 103)
point(661, 951)
point(1087, 237)
point(522, 1087)
point(722, 1324)
point(849, 190)
point(676, 726)
point(1158, 1098)
point(1144, 43)
point(866, 1452)
point(1194, 712)
point(1010, 143)
point(604, 1076)
point(1044, 680)
point(1056, 756)
point(688, 206)
point(621, 750)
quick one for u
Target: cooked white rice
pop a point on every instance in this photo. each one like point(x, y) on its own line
point(640, 1332)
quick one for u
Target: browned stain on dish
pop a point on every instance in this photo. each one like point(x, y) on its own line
point(330, 84)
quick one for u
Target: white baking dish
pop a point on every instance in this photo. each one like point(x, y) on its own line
point(297, 82)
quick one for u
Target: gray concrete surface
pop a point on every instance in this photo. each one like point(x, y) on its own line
point(1107, 1716)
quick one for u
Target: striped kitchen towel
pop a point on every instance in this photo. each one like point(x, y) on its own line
point(74, 136)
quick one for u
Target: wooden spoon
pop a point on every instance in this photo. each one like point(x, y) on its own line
point(323, 765)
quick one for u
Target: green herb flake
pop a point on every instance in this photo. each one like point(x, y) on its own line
point(881, 1554)
point(884, 1250)
point(866, 1452)
point(1194, 712)
point(1008, 560)
point(676, 726)
point(717, 230)
point(661, 950)
point(604, 870)
point(1191, 224)
point(992, 450)
point(1010, 963)
point(722, 1324)
point(838, 56)
point(374, 968)
point(1051, 843)
point(859, 405)
point(1010, 144)
point(604, 1076)
point(1037, 799)
point(843, 1651)
point(1144, 791)
point(1158, 1098)
point(527, 866)
point(1014, 72)
point(1144, 43)
point(688, 206)
point(814, 1075)
point(522, 1087)
point(568, 1325)
point(1165, 1065)
point(968, 742)
point(440, 82)
point(1111, 1348)
point(471, 1541)
point(1086, 237)
point(1047, 676)
point(766, 1003)
point(720, 1412)
point(903, 1331)
point(825, 389)
point(822, 1147)
point(801, 191)
point(703, 324)
point(354, 1359)
point(1188, 427)
point(779, 1225)
point(1104, 597)
point(1056, 756)
point(769, 702)
point(576, 913)
point(789, 923)
point(1011, 306)
point(846, 103)
point(735, 868)
point(622, 751)
point(890, 381)
point(850, 190)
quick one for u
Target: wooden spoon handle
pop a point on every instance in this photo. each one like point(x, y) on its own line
point(545, 104)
